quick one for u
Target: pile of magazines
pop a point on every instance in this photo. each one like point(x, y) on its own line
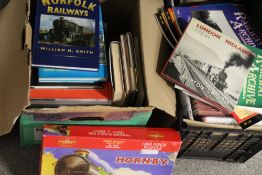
point(215, 63)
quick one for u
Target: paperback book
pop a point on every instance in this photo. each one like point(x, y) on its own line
point(67, 35)
point(209, 64)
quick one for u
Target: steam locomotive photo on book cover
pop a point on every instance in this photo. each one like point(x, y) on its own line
point(210, 65)
point(66, 35)
point(65, 30)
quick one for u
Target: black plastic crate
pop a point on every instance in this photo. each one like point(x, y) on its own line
point(219, 144)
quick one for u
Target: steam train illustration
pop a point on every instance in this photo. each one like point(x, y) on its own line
point(68, 33)
point(78, 164)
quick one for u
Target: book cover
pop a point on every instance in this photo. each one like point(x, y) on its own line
point(230, 19)
point(80, 76)
point(209, 64)
point(67, 35)
point(251, 94)
point(249, 109)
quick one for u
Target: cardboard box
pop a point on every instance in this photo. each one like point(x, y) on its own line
point(31, 126)
point(108, 150)
point(129, 15)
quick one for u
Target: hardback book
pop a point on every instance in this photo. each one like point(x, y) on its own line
point(218, 120)
point(202, 109)
point(193, 2)
point(71, 96)
point(251, 94)
point(67, 35)
point(52, 75)
point(116, 74)
point(249, 109)
point(185, 105)
point(230, 19)
point(209, 64)
point(80, 76)
point(126, 69)
point(140, 81)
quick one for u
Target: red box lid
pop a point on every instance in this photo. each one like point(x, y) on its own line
point(103, 137)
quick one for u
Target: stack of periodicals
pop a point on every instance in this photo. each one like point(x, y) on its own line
point(69, 62)
point(215, 63)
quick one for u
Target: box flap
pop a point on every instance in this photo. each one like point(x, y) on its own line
point(14, 69)
point(160, 95)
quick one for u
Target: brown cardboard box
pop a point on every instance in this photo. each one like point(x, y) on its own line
point(125, 15)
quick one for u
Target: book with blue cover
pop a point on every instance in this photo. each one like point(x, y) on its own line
point(67, 35)
point(228, 18)
point(79, 76)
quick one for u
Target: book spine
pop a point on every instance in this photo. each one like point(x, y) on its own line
point(104, 93)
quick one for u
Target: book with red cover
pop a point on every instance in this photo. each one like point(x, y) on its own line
point(72, 93)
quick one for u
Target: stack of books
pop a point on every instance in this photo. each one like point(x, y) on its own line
point(126, 71)
point(78, 79)
point(69, 59)
point(214, 63)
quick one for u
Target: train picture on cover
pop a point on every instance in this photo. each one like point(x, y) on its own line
point(78, 163)
point(67, 31)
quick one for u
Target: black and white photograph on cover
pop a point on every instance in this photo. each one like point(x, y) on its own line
point(209, 67)
point(217, 20)
point(65, 30)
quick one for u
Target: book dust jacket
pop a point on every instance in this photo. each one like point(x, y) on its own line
point(210, 65)
point(249, 109)
point(67, 34)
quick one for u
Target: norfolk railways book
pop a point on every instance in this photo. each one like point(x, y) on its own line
point(67, 35)
point(210, 65)
point(79, 76)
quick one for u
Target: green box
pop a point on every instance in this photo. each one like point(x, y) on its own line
point(31, 127)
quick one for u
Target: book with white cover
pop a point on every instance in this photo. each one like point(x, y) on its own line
point(209, 64)
point(116, 74)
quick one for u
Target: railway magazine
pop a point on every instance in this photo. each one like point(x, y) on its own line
point(210, 65)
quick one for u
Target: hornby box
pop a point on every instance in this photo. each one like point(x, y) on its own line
point(93, 150)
